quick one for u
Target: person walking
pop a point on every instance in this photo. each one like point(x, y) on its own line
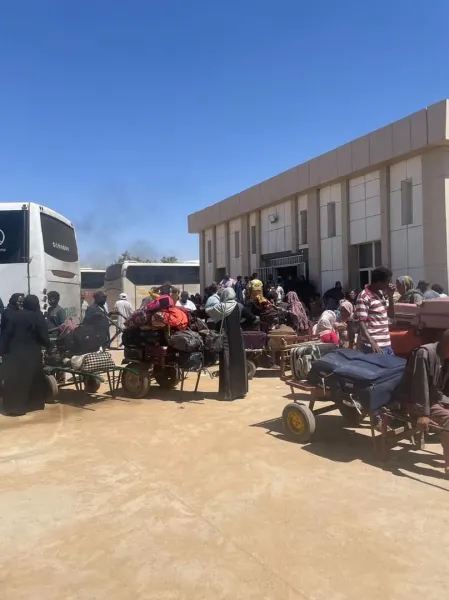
point(25, 334)
point(96, 317)
point(125, 310)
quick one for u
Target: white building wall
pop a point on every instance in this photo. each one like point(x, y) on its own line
point(236, 262)
point(302, 205)
point(364, 208)
point(276, 237)
point(407, 253)
point(331, 247)
point(209, 270)
point(220, 240)
point(252, 257)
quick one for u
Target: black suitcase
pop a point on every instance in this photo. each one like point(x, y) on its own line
point(254, 340)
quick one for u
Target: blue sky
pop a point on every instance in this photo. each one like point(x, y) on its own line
point(127, 116)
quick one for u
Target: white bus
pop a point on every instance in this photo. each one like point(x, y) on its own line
point(38, 254)
point(91, 281)
point(136, 279)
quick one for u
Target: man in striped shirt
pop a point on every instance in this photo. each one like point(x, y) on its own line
point(373, 310)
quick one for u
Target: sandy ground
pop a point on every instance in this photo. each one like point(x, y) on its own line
point(153, 499)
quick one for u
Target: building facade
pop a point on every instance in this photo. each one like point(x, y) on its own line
point(380, 199)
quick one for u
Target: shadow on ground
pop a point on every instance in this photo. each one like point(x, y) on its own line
point(336, 442)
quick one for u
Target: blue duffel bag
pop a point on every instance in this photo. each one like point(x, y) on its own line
point(369, 379)
point(325, 366)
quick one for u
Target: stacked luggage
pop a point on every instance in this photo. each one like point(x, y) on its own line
point(164, 334)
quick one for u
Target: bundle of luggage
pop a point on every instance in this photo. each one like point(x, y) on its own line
point(161, 327)
point(159, 314)
point(367, 381)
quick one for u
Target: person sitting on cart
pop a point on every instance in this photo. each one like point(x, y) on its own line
point(97, 317)
point(425, 389)
point(325, 328)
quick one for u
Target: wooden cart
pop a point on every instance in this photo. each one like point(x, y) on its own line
point(388, 427)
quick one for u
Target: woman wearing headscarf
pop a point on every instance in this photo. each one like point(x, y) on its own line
point(325, 328)
point(21, 347)
point(345, 323)
point(409, 294)
point(14, 304)
point(227, 314)
point(298, 317)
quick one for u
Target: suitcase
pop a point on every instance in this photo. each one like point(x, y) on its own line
point(406, 315)
point(254, 340)
point(434, 314)
point(325, 366)
point(371, 379)
point(404, 341)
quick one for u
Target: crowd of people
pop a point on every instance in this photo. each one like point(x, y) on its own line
point(356, 318)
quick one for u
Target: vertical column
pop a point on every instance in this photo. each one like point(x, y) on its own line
point(345, 231)
point(203, 259)
point(214, 254)
point(258, 240)
point(385, 215)
point(314, 238)
point(435, 194)
point(245, 245)
point(294, 222)
point(227, 249)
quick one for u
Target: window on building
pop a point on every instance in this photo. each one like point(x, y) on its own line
point(303, 227)
point(237, 244)
point(209, 251)
point(253, 239)
point(369, 257)
point(407, 202)
point(331, 220)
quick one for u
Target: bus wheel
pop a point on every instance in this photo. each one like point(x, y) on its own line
point(167, 377)
point(51, 389)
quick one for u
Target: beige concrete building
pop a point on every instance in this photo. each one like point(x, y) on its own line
point(380, 199)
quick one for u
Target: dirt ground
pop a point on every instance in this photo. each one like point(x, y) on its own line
point(156, 499)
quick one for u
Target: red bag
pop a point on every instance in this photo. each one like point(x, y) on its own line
point(160, 303)
point(176, 318)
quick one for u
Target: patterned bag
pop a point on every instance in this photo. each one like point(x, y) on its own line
point(97, 361)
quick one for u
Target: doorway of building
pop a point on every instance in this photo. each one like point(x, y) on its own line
point(220, 273)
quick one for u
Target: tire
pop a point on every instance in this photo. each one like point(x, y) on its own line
point(51, 389)
point(250, 368)
point(351, 415)
point(299, 422)
point(137, 385)
point(91, 385)
point(166, 377)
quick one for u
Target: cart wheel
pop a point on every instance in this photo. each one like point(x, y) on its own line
point(91, 385)
point(51, 389)
point(299, 422)
point(137, 384)
point(251, 369)
point(351, 415)
point(166, 377)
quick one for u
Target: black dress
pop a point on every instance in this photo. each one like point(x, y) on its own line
point(233, 380)
point(23, 375)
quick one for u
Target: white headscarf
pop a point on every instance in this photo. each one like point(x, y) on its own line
point(224, 308)
point(325, 323)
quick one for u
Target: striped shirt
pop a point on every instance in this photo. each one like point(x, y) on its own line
point(371, 309)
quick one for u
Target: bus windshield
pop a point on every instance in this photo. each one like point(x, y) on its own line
point(92, 280)
point(13, 236)
point(59, 239)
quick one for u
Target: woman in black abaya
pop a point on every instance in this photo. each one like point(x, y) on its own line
point(21, 347)
point(15, 303)
point(233, 378)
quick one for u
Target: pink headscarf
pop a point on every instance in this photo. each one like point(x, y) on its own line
point(295, 307)
point(348, 306)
